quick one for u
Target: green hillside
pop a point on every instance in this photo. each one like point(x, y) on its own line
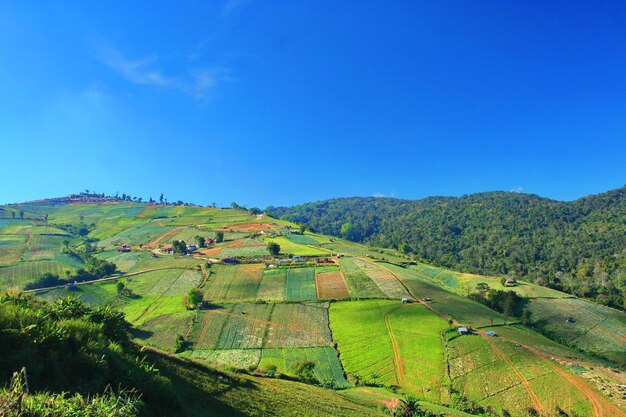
point(578, 247)
point(325, 327)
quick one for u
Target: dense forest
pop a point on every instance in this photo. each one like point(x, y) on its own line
point(578, 247)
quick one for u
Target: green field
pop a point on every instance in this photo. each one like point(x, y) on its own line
point(233, 283)
point(364, 332)
point(478, 372)
point(289, 247)
point(591, 327)
point(300, 284)
point(327, 365)
point(462, 309)
point(463, 284)
point(359, 283)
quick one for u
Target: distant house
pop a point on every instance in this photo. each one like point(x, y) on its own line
point(192, 247)
point(463, 330)
point(124, 248)
point(491, 333)
point(405, 301)
point(510, 282)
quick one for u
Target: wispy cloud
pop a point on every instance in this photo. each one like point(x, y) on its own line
point(231, 6)
point(517, 189)
point(194, 81)
point(378, 195)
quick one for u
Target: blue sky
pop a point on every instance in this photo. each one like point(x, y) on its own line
point(284, 102)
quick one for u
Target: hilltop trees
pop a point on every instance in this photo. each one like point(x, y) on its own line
point(576, 247)
point(219, 237)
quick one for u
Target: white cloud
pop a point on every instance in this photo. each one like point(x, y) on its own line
point(196, 81)
point(378, 195)
point(518, 189)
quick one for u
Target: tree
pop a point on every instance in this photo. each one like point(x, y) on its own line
point(482, 288)
point(273, 248)
point(179, 246)
point(219, 237)
point(194, 297)
point(161, 198)
point(21, 214)
point(201, 241)
point(119, 287)
point(527, 317)
point(302, 228)
point(13, 214)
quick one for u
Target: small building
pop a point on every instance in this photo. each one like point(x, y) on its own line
point(192, 247)
point(124, 248)
point(491, 333)
point(510, 282)
point(405, 301)
point(463, 330)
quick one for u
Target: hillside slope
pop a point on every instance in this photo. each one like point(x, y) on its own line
point(578, 246)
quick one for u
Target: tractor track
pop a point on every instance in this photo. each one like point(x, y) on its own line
point(396, 349)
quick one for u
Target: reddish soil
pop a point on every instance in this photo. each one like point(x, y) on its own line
point(212, 251)
point(397, 359)
point(169, 233)
point(331, 285)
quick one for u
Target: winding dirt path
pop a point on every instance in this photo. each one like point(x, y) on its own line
point(156, 241)
point(601, 406)
point(533, 397)
point(397, 359)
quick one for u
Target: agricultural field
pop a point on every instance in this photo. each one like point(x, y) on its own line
point(273, 285)
point(141, 234)
point(330, 283)
point(248, 326)
point(452, 305)
point(233, 283)
point(477, 370)
point(22, 273)
point(161, 331)
point(302, 239)
point(582, 325)
point(463, 284)
point(359, 283)
point(392, 344)
point(300, 284)
point(297, 249)
point(327, 365)
point(383, 278)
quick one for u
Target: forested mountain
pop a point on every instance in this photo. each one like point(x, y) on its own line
point(577, 246)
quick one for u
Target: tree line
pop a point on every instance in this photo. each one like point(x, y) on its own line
point(578, 247)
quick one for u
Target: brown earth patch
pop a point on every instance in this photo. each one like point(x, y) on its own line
point(331, 285)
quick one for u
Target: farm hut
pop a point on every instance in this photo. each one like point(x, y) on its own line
point(491, 333)
point(405, 301)
point(510, 282)
point(192, 247)
point(124, 248)
point(463, 330)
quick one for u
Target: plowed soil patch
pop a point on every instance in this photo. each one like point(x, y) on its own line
point(331, 285)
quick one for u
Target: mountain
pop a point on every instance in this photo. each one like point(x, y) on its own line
point(119, 307)
point(578, 247)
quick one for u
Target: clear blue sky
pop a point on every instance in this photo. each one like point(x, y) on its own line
point(283, 102)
